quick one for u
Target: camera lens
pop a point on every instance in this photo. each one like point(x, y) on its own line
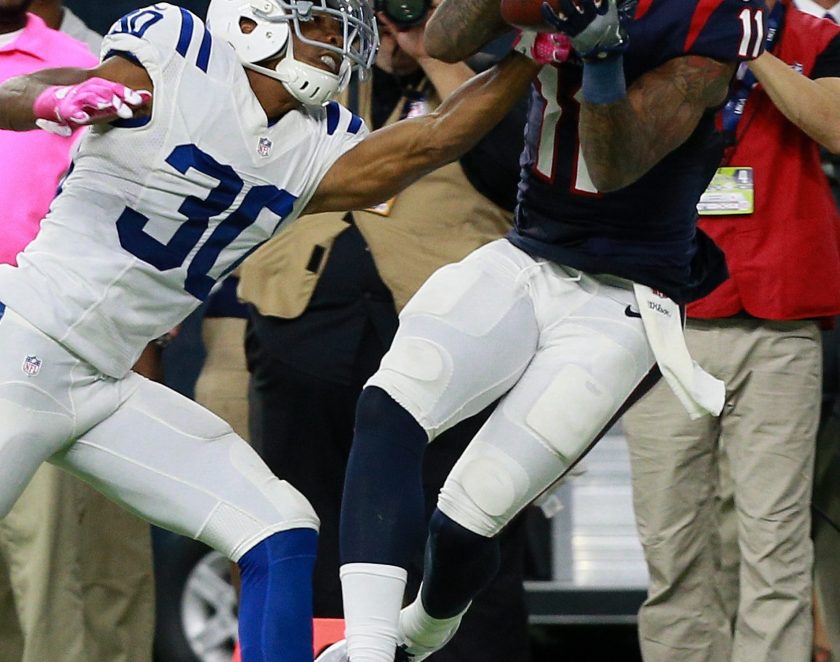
point(404, 12)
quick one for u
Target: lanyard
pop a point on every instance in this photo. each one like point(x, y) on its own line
point(745, 80)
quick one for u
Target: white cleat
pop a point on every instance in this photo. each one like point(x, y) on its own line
point(335, 653)
point(404, 656)
point(411, 651)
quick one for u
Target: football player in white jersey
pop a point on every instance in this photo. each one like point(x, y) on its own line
point(205, 142)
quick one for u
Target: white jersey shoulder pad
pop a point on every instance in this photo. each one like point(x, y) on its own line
point(339, 121)
point(155, 34)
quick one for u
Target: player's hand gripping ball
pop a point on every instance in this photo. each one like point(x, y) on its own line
point(568, 16)
point(543, 47)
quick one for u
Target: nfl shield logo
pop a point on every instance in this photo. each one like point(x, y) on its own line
point(31, 366)
point(264, 147)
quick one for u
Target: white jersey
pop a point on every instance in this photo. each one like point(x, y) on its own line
point(155, 211)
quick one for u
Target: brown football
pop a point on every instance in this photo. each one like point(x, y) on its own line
point(527, 14)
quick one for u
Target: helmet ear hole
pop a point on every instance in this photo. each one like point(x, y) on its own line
point(247, 25)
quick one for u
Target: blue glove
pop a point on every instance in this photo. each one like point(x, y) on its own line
point(602, 35)
point(572, 19)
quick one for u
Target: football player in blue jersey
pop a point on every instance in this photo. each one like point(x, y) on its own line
point(205, 142)
point(567, 320)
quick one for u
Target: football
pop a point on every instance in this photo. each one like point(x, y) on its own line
point(527, 14)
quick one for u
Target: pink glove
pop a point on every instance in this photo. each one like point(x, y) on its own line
point(63, 108)
point(543, 47)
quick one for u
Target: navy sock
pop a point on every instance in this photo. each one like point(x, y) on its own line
point(275, 610)
point(382, 514)
point(458, 565)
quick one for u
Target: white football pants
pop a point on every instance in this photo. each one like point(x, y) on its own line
point(148, 448)
point(565, 349)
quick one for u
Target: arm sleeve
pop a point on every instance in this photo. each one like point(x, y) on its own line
point(725, 30)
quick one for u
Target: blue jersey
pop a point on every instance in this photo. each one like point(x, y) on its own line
point(647, 231)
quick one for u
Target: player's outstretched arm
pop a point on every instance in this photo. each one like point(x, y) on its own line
point(18, 94)
point(623, 138)
point(60, 100)
point(393, 157)
point(812, 105)
point(458, 28)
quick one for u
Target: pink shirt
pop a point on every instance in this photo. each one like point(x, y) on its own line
point(32, 162)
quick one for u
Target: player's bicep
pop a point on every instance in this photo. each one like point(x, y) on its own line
point(376, 169)
point(622, 141)
point(458, 28)
point(120, 69)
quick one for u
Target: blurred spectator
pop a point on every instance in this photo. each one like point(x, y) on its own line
point(826, 486)
point(99, 15)
point(826, 533)
point(759, 332)
point(76, 581)
point(59, 17)
point(222, 384)
point(829, 9)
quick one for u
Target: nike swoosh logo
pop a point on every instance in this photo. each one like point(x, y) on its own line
point(631, 313)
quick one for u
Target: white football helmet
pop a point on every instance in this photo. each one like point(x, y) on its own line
point(271, 37)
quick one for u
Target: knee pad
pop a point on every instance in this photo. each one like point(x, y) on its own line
point(281, 495)
point(415, 372)
point(484, 491)
point(241, 521)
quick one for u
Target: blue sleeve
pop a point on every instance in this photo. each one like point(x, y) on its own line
point(725, 30)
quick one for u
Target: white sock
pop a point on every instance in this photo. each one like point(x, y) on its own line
point(372, 595)
point(424, 633)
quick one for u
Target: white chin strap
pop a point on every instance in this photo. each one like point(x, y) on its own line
point(308, 84)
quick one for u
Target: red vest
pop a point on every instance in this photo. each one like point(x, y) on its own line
point(784, 259)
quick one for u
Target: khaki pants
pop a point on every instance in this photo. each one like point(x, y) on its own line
point(76, 580)
point(765, 440)
point(222, 385)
